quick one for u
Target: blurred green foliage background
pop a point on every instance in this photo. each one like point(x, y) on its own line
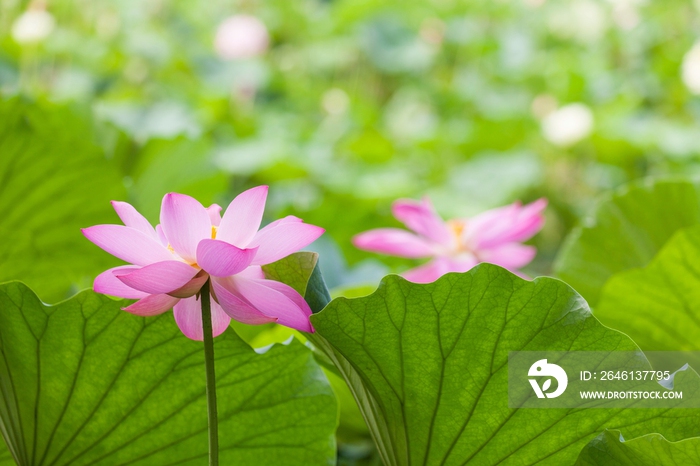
point(358, 102)
point(344, 106)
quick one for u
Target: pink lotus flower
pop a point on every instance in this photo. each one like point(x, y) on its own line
point(171, 262)
point(241, 36)
point(457, 245)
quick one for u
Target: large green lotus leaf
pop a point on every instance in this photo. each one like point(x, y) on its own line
point(609, 449)
point(54, 180)
point(658, 306)
point(84, 383)
point(626, 230)
point(428, 367)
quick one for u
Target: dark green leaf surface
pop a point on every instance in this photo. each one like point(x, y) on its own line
point(84, 383)
point(608, 449)
point(626, 230)
point(658, 306)
point(54, 180)
point(317, 294)
point(428, 366)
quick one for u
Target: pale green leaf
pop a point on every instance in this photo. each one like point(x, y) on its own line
point(626, 230)
point(658, 306)
point(293, 270)
point(300, 271)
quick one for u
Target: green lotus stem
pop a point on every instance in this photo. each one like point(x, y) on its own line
point(211, 376)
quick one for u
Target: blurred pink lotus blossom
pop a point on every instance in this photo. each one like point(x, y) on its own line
point(170, 263)
point(457, 245)
point(241, 36)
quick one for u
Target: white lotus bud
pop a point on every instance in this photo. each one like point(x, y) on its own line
point(32, 26)
point(568, 125)
point(241, 36)
point(690, 70)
